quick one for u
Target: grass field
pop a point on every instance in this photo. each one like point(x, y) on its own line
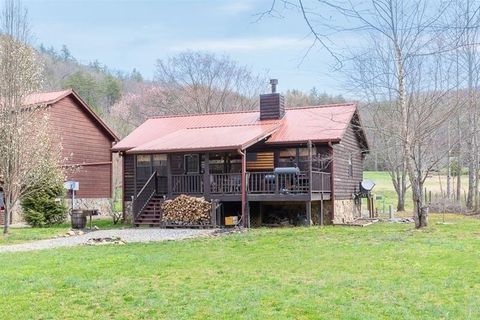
point(384, 271)
point(384, 188)
point(18, 235)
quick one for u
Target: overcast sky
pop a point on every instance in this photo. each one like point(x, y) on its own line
point(127, 34)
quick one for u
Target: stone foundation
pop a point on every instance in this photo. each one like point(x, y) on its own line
point(103, 205)
point(127, 211)
point(346, 211)
point(17, 215)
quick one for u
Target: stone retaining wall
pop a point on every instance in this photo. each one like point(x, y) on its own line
point(103, 205)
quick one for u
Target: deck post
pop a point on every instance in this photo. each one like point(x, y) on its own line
point(244, 217)
point(309, 212)
point(310, 174)
point(206, 176)
point(321, 209)
point(169, 176)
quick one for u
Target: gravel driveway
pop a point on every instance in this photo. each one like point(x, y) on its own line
point(128, 235)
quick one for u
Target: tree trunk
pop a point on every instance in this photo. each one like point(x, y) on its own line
point(449, 164)
point(420, 210)
point(459, 163)
point(401, 203)
point(471, 182)
point(422, 218)
point(6, 219)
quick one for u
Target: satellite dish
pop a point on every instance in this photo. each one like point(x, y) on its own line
point(367, 185)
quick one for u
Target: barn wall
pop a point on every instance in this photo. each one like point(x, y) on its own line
point(346, 185)
point(85, 144)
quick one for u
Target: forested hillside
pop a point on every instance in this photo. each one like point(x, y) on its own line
point(190, 82)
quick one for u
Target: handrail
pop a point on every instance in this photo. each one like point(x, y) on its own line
point(142, 199)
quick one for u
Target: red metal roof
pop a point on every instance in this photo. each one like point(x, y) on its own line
point(49, 98)
point(208, 138)
point(319, 124)
point(46, 97)
point(237, 129)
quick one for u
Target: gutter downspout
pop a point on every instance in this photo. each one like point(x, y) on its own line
point(332, 179)
point(244, 188)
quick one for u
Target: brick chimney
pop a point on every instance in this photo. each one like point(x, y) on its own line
point(272, 105)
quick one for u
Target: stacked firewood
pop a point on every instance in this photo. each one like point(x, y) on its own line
point(186, 210)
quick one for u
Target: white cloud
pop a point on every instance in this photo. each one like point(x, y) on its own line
point(237, 6)
point(242, 44)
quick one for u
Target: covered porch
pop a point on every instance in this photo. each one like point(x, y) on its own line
point(269, 175)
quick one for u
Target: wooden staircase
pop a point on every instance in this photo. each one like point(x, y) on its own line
point(151, 216)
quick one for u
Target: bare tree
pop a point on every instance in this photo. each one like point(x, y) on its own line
point(466, 35)
point(28, 158)
point(407, 78)
point(196, 82)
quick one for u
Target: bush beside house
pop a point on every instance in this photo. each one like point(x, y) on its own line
point(45, 207)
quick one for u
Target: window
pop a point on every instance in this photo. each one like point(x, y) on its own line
point(350, 166)
point(159, 164)
point(235, 166)
point(192, 164)
point(144, 168)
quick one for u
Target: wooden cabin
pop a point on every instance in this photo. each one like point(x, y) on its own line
point(275, 164)
point(86, 142)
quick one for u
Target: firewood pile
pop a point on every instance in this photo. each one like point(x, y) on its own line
point(186, 210)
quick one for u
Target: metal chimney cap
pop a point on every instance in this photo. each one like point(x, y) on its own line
point(274, 83)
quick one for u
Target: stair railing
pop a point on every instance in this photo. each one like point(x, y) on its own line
point(144, 196)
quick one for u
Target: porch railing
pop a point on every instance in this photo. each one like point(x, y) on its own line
point(189, 183)
point(270, 182)
point(144, 196)
point(226, 183)
point(258, 183)
point(321, 182)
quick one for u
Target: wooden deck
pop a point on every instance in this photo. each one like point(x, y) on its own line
point(261, 186)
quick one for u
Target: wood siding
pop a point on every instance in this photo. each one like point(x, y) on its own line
point(128, 177)
point(85, 144)
point(345, 184)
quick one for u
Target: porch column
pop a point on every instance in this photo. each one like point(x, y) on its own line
point(169, 175)
point(321, 209)
point(310, 175)
point(310, 183)
point(206, 176)
point(245, 217)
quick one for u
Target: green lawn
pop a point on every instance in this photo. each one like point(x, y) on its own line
point(384, 271)
point(384, 187)
point(18, 235)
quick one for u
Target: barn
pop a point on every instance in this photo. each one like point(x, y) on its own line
point(86, 142)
